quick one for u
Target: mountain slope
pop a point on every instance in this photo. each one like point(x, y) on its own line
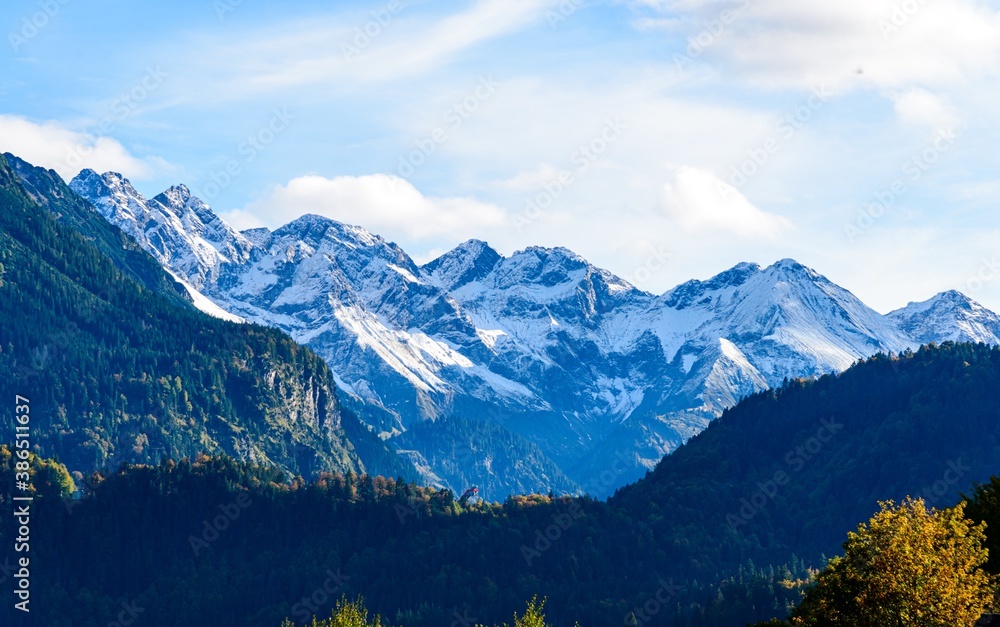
point(463, 453)
point(47, 188)
point(741, 332)
point(117, 373)
point(178, 228)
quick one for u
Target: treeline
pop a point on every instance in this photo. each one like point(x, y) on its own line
point(214, 541)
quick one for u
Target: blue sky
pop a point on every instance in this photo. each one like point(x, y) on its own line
point(661, 139)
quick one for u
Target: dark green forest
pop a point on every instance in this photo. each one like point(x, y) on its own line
point(666, 548)
point(214, 541)
point(48, 190)
point(922, 424)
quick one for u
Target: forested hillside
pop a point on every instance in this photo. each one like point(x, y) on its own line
point(120, 373)
point(790, 470)
point(691, 544)
point(483, 453)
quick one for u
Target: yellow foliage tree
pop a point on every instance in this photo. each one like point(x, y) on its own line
point(355, 614)
point(347, 614)
point(909, 565)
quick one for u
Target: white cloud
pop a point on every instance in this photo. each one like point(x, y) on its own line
point(795, 43)
point(385, 204)
point(697, 200)
point(54, 146)
point(922, 108)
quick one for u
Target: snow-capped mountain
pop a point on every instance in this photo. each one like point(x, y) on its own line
point(742, 331)
point(948, 316)
point(604, 378)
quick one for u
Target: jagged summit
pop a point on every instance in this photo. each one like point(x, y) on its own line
point(312, 228)
point(179, 229)
point(467, 262)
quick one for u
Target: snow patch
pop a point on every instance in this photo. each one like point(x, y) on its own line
point(206, 305)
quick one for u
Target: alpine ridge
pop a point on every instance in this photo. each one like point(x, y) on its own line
point(604, 378)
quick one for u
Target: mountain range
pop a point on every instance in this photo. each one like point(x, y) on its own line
point(598, 378)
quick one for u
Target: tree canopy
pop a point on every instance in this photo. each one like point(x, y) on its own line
point(908, 566)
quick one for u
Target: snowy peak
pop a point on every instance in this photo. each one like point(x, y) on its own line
point(466, 263)
point(687, 294)
point(543, 266)
point(113, 195)
point(794, 268)
point(785, 271)
point(783, 318)
point(313, 229)
point(199, 221)
point(175, 197)
point(180, 230)
point(948, 316)
point(308, 227)
point(107, 184)
point(360, 256)
point(109, 180)
point(556, 274)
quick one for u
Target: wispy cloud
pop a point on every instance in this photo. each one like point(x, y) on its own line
point(364, 103)
point(331, 49)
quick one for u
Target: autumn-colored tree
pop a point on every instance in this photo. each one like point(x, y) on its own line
point(534, 615)
point(347, 614)
point(355, 614)
point(909, 565)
